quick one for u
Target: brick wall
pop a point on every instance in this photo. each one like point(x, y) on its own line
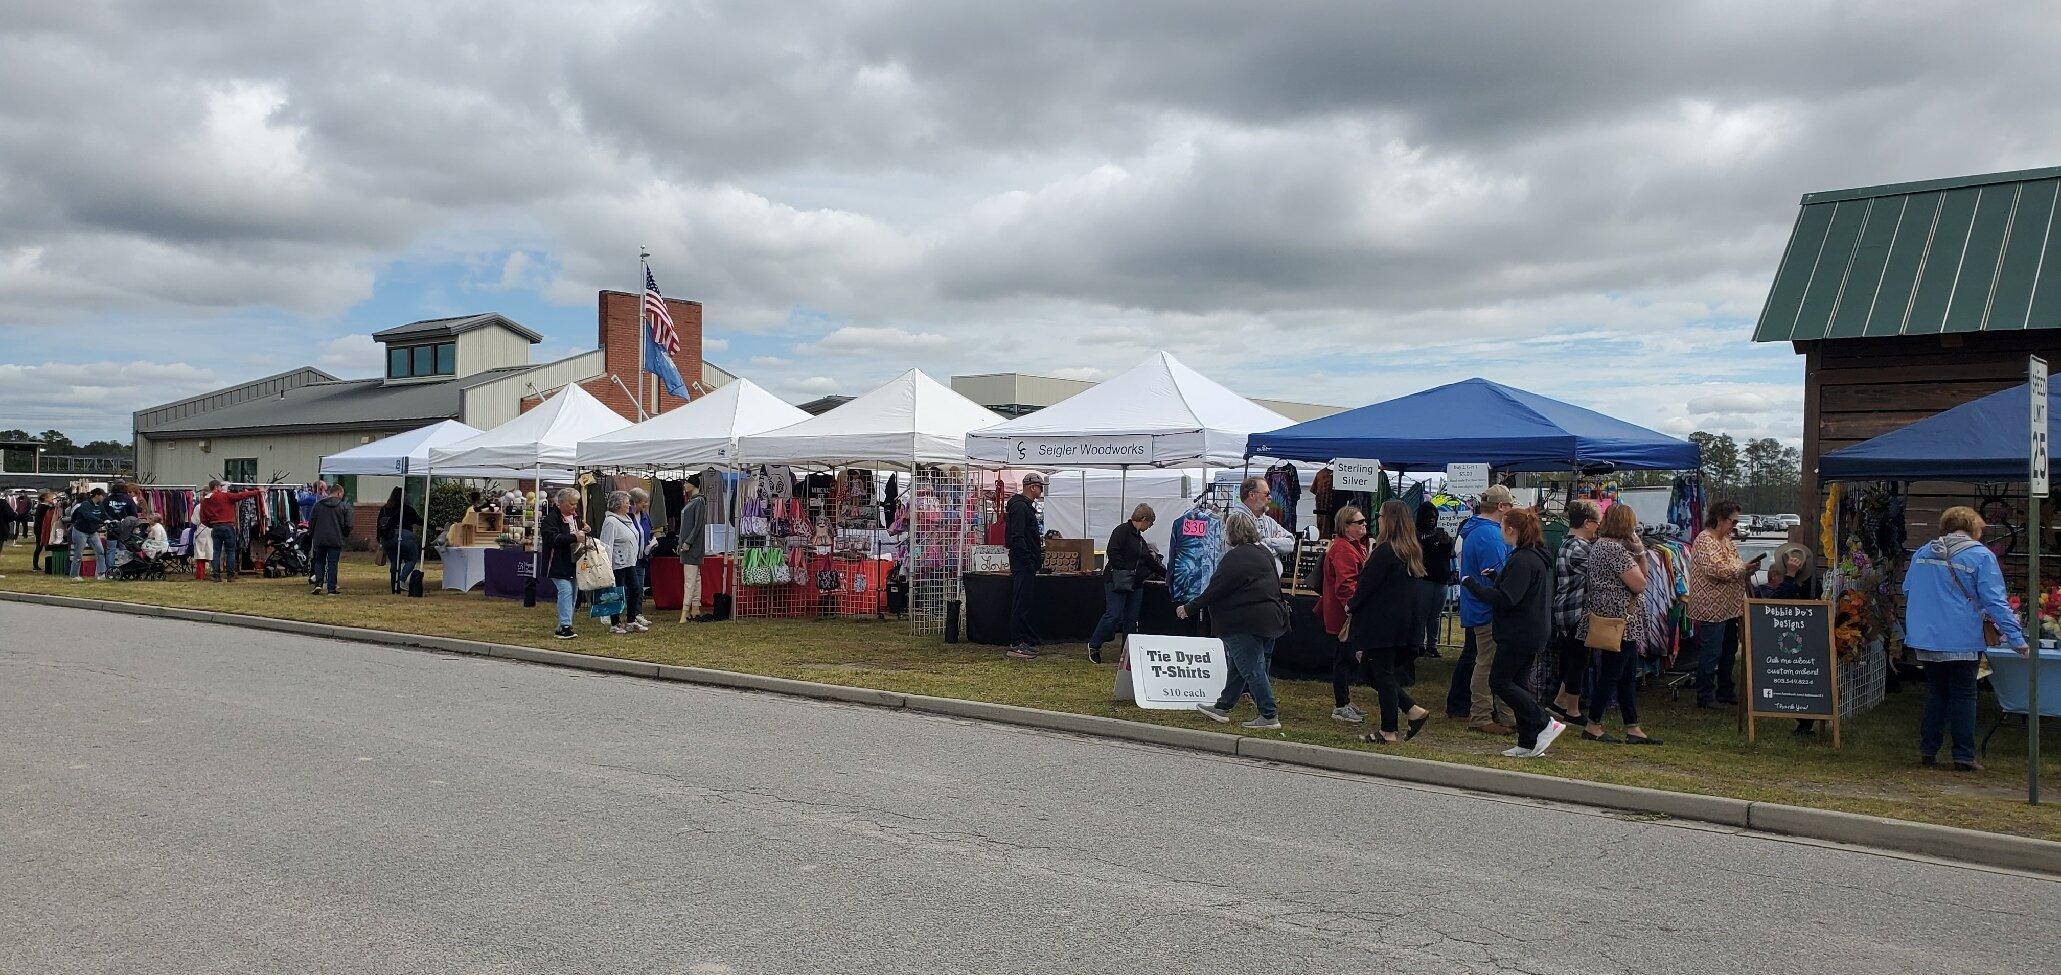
point(619, 340)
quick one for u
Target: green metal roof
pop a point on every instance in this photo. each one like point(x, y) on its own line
point(1969, 254)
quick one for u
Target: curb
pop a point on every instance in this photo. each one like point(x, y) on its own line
point(1947, 842)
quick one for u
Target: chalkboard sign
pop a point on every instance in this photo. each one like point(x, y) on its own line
point(1792, 663)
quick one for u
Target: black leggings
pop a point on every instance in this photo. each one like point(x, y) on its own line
point(1574, 666)
point(1379, 664)
point(1345, 671)
point(1511, 665)
point(1617, 679)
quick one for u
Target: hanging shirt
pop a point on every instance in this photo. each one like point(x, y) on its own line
point(1196, 546)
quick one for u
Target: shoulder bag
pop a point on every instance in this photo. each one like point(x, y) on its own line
point(591, 567)
point(1991, 635)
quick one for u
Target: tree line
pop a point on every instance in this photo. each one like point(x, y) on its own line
point(55, 442)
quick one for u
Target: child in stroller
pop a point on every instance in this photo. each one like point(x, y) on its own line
point(290, 556)
point(132, 552)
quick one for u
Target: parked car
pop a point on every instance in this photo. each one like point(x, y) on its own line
point(1786, 522)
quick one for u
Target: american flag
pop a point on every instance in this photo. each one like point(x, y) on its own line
point(661, 320)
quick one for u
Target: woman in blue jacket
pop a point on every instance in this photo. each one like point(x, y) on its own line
point(1953, 585)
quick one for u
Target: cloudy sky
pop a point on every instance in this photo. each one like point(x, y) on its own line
point(1328, 202)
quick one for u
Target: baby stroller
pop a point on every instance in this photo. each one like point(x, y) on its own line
point(290, 556)
point(128, 537)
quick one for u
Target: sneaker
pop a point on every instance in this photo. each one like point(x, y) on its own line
point(1023, 651)
point(1960, 766)
point(640, 626)
point(317, 592)
point(618, 629)
point(1262, 724)
point(1347, 714)
point(1216, 714)
point(1553, 730)
point(642, 623)
point(565, 633)
point(1518, 752)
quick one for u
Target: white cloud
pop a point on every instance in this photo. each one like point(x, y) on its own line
point(353, 356)
point(93, 400)
point(879, 341)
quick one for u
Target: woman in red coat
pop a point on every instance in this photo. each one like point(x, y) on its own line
point(1341, 575)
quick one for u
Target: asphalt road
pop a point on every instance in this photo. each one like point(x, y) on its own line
point(189, 798)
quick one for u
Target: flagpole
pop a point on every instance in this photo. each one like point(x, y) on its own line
point(643, 275)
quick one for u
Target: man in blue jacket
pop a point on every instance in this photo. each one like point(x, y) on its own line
point(1482, 551)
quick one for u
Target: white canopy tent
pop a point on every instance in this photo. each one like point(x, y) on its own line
point(703, 431)
point(407, 454)
point(911, 419)
point(548, 436)
point(1159, 413)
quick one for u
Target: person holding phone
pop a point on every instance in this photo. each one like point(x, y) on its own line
point(1716, 603)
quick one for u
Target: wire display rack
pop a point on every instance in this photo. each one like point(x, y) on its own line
point(1863, 681)
point(943, 519)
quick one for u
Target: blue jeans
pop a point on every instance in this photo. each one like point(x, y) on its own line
point(567, 596)
point(1717, 645)
point(406, 553)
point(1949, 705)
point(223, 566)
point(327, 557)
point(1250, 657)
point(1460, 696)
point(83, 542)
point(1023, 585)
point(1431, 597)
point(1121, 616)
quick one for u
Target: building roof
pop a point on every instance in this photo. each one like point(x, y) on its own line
point(439, 328)
point(1969, 254)
point(353, 404)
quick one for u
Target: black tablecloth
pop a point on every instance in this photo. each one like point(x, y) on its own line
point(1068, 606)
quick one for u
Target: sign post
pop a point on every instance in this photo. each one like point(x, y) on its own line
point(2036, 492)
point(1792, 661)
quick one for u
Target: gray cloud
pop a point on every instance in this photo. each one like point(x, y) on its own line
point(1296, 196)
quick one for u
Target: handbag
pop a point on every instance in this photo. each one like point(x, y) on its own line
point(607, 602)
point(1991, 635)
point(1123, 580)
point(758, 571)
point(1345, 630)
point(591, 569)
point(1605, 633)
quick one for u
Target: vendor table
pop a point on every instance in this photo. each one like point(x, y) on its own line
point(465, 566)
point(508, 572)
point(1068, 607)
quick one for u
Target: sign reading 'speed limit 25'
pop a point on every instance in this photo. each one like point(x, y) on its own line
point(1176, 672)
point(1792, 661)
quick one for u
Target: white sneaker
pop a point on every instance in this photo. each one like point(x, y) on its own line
point(1216, 715)
point(1348, 714)
point(640, 626)
point(1517, 752)
point(617, 629)
point(1262, 724)
point(1553, 730)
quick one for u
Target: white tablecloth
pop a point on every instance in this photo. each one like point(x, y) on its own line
point(465, 568)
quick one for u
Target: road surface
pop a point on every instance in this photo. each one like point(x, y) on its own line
point(180, 797)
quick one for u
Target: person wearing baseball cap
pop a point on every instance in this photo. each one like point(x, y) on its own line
point(1482, 551)
point(1026, 539)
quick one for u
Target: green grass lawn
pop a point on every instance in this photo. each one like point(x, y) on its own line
point(1876, 773)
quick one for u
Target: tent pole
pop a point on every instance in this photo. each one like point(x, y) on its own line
point(1086, 532)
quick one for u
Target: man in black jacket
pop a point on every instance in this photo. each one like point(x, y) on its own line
point(1026, 539)
point(328, 525)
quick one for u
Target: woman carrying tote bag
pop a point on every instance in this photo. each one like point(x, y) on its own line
point(1611, 616)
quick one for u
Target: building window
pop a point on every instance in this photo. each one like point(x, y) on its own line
point(418, 361)
point(240, 470)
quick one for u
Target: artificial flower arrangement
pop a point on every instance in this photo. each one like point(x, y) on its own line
point(2050, 612)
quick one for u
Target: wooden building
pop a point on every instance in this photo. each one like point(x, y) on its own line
point(1911, 298)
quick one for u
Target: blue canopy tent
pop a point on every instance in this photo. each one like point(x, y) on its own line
point(1477, 421)
point(1983, 441)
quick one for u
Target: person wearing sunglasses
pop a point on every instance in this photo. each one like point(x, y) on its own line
point(1342, 563)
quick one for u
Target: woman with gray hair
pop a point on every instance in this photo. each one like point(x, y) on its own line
point(1248, 612)
point(558, 531)
point(619, 537)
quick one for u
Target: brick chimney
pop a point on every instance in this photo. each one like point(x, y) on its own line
point(619, 340)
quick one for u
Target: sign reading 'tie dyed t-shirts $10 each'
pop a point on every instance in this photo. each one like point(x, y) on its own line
point(1176, 672)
